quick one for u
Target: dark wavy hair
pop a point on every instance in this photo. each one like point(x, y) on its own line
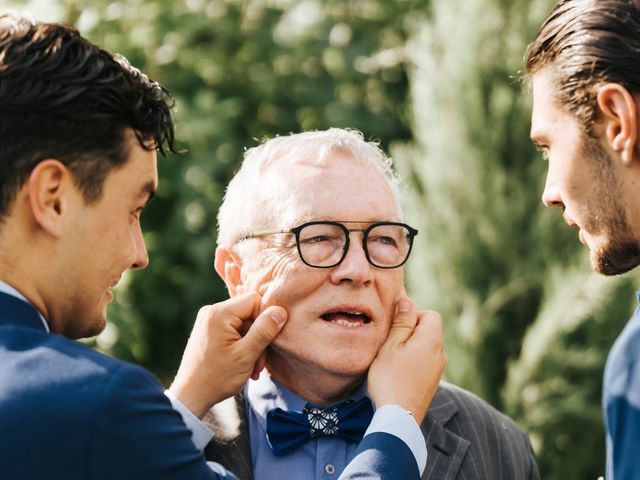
point(588, 43)
point(63, 97)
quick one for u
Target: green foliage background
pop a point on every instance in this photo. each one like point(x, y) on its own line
point(528, 325)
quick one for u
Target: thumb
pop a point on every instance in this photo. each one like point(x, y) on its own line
point(403, 323)
point(264, 330)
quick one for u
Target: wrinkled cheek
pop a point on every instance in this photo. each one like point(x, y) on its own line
point(271, 280)
point(267, 285)
point(287, 289)
point(275, 293)
point(284, 339)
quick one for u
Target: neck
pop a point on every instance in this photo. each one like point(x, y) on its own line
point(311, 383)
point(15, 267)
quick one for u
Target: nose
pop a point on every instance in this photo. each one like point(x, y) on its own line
point(354, 268)
point(551, 195)
point(141, 258)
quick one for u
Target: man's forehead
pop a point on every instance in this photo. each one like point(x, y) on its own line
point(544, 105)
point(342, 188)
point(366, 209)
point(350, 222)
point(139, 172)
point(338, 167)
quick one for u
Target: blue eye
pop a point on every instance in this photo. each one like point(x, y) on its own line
point(317, 239)
point(390, 241)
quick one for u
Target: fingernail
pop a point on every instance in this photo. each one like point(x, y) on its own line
point(404, 305)
point(277, 316)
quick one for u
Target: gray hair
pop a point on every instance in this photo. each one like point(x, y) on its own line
point(247, 202)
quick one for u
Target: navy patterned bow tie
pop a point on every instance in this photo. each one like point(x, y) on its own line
point(289, 430)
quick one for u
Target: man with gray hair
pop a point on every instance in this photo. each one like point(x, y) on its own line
point(313, 222)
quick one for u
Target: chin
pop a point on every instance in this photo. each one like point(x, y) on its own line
point(85, 330)
point(96, 327)
point(616, 258)
point(347, 365)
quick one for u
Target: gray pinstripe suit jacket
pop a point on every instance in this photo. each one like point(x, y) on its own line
point(467, 439)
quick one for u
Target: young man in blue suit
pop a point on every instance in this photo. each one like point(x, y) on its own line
point(79, 130)
point(585, 75)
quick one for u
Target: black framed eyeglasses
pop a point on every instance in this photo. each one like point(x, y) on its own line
point(324, 244)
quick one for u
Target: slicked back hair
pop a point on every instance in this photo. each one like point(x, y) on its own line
point(588, 43)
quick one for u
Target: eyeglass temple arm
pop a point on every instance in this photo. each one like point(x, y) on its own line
point(261, 233)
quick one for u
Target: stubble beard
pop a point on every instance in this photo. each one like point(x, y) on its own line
point(620, 251)
point(616, 259)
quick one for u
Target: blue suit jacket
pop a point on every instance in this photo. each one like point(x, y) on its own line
point(621, 403)
point(69, 412)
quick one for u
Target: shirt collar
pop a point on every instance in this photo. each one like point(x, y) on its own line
point(266, 394)
point(9, 290)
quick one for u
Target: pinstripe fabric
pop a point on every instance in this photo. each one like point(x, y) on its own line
point(466, 440)
point(230, 444)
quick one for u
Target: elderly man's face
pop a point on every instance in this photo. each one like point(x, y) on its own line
point(339, 316)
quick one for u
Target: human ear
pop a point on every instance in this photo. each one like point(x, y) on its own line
point(48, 186)
point(621, 116)
point(228, 265)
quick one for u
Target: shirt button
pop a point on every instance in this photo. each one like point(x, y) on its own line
point(330, 469)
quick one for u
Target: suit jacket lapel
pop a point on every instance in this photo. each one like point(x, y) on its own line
point(230, 446)
point(446, 450)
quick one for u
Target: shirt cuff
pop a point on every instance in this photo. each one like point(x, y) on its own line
point(200, 434)
point(397, 421)
point(222, 473)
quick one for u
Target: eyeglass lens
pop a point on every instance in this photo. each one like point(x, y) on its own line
point(322, 245)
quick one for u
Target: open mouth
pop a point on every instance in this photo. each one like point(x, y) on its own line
point(349, 319)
